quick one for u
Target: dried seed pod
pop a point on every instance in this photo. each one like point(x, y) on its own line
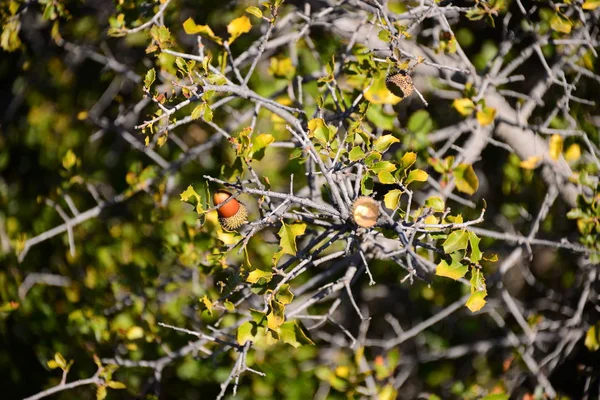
point(365, 212)
point(231, 215)
point(400, 83)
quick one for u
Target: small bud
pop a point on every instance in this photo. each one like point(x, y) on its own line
point(365, 212)
point(231, 215)
point(400, 83)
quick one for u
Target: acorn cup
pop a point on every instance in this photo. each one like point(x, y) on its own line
point(231, 215)
point(365, 212)
point(400, 83)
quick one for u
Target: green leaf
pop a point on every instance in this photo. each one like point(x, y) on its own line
point(356, 154)
point(238, 27)
point(208, 114)
point(386, 177)
point(190, 196)
point(420, 122)
point(465, 178)
point(476, 254)
point(384, 142)
point(260, 144)
point(320, 130)
point(285, 295)
point(258, 274)
point(206, 304)
point(436, 204)
point(453, 271)
point(292, 334)
point(134, 333)
point(198, 111)
point(465, 107)
point(457, 240)
point(384, 35)
point(416, 175)
point(287, 242)
point(246, 332)
point(383, 166)
point(254, 11)
point(392, 199)
point(149, 79)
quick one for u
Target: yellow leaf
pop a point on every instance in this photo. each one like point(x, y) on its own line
point(416, 175)
point(531, 163)
point(590, 4)
point(486, 115)
point(556, 144)
point(135, 332)
point(476, 300)
point(573, 153)
point(282, 68)
point(238, 27)
point(464, 106)
point(81, 115)
point(254, 11)
point(69, 159)
point(379, 94)
point(561, 23)
point(392, 199)
point(190, 27)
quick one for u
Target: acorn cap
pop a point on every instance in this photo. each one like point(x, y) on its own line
point(365, 212)
point(400, 83)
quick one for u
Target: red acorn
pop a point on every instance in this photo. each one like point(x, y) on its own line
point(231, 215)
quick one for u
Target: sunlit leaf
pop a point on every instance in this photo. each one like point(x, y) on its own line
point(486, 115)
point(592, 338)
point(561, 23)
point(135, 332)
point(356, 154)
point(455, 270)
point(573, 153)
point(257, 274)
point(464, 106)
point(382, 143)
point(254, 11)
point(392, 199)
point(190, 27)
point(465, 178)
point(238, 27)
point(531, 163)
point(457, 240)
point(416, 175)
point(555, 146)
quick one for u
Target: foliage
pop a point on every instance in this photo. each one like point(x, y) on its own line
point(470, 124)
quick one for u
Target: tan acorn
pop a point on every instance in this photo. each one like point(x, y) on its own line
point(400, 83)
point(231, 215)
point(365, 212)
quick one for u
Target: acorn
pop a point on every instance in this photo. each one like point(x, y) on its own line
point(400, 83)
point(231, 215)
point(365, 212)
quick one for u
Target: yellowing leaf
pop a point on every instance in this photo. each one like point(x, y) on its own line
point(245, 332)
point(276, 316)
point(287, 242)
point(590, 4)
point(135, 332)
point(592, 338)
point(190, 27)
point(476, 300)
point(457, 240)
point(573, 153)
point(257, 274)
point(416, 175)
point(282, 67)
point(384, 142)
point(386, 177)
point(356, 154)
point(379, 94)
point(408, 159)
point(254, 11)
point(560, 23)
point(453, 271)
point(392, 199)
point(259, 145)
point(190, 196)
point(486, 115)
point(238, 27)
point(465, 178)
point(69, 159)
point(206, 304)
point(531, 163)
point(556, 144)
point(116, 385)
point(435, 203)
point(464, 106)
point(82, 115)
